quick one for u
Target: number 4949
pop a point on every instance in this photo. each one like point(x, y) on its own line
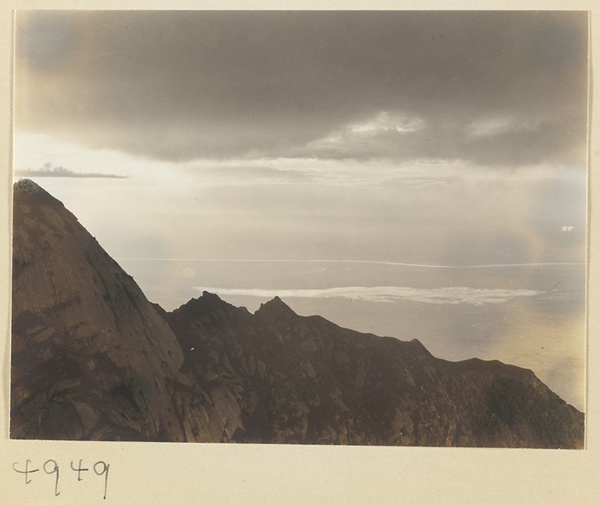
point(51, 467)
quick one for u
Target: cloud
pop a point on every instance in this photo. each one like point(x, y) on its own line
point(486, 141)
point(49, 171)
point(255, 84)
point(445, 295)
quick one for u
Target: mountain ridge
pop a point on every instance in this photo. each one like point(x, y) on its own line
point(94, 359)
point(399, 367)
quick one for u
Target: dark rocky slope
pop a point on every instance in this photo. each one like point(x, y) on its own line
point(305, 380)
point(93, 359)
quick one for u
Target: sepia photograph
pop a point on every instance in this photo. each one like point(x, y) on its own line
point(300, 227)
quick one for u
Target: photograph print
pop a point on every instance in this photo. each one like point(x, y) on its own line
point(300, 227)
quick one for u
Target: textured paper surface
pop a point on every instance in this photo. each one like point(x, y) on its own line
point(152, 473)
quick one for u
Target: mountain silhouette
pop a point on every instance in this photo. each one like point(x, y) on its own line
point(92, 358)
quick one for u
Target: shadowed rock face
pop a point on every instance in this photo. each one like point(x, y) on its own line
point(93, 359)
point(305, 380)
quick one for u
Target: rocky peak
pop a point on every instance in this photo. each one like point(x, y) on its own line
point(208, 303)
point(27, 186)
point(275, 308)
point(28, 193)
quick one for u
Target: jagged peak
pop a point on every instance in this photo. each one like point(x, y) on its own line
point(276, 306)
point(207, 303)
point(207, 295)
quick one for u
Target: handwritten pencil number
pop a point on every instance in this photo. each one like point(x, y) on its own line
point(51, 467)
point(104, 472)
point(79, 470)
point(26, 471)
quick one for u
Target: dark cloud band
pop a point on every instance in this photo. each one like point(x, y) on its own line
point(184, 85)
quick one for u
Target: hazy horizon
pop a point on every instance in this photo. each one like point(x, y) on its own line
point(402, 172)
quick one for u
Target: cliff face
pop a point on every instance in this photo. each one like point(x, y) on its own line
point(93, 359)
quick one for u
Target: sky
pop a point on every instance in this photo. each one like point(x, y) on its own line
point(334, 145)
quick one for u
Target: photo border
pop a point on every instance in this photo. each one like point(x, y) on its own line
point(157, 473)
